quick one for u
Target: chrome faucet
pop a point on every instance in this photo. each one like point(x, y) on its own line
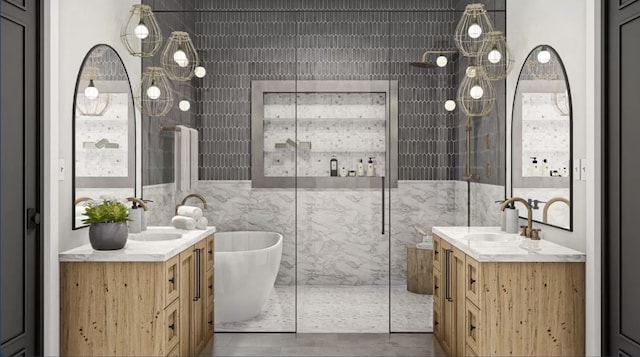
point(194, 195)
point(527, 231)
point(545, 211)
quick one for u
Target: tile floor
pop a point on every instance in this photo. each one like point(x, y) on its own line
point(339, 309)
point(322, 344)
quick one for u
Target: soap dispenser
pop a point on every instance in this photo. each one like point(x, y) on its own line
point(512, 219)
point(135, 219)
point(535, 168)
point(503, 218)
point(360, 168)
point(546, 170)
point(371, 169)
point(334, 166)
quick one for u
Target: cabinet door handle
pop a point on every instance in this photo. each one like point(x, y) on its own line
point(471, 327)
point(172, 326)
point(196, 275)
point(472, 281)
point(382, 204)
point(172, 280)
point(447, 266)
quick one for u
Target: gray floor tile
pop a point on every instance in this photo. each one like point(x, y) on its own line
point(235, 351)
point(309, 351)
point(264, 340)
point(362, 339)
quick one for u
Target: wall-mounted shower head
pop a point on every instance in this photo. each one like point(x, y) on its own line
point(434, 59)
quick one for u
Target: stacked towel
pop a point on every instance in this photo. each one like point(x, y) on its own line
point(202, 223)
point(189, 218)
point(182, 222)
point(190, 211)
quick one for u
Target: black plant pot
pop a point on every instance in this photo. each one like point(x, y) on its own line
point(108, 236)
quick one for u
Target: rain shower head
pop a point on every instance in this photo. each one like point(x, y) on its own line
point(434, 59)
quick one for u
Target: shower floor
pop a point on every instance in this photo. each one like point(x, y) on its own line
point(340, 309)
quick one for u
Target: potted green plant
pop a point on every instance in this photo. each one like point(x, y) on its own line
point(108, 220)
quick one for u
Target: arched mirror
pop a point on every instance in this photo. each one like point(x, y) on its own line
point(104, 124)
point(541, 139)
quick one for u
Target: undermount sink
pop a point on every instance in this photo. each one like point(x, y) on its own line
point(491, 237)
point(155, 236)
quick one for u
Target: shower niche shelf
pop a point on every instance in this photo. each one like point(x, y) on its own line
point(297, 126)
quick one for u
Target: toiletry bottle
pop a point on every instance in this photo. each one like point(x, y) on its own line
point(135, 217)
point(546, 170)
point(334, 166)
point(503, 218)
point(371, 169)
point(565, 172)
point(360, 168)
point(512, 219)
point(343, 172)
point(535, 169)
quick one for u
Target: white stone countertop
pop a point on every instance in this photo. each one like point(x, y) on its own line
point(139, 250)
point(517, 250)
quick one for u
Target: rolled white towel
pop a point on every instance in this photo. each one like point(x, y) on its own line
point(202, 223)
point(182, 222)
point(190, 211)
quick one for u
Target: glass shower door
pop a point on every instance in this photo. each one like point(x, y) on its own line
point(343, 114)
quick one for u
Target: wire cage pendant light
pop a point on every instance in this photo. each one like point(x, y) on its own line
point(179, 57)
point(471, 32)
point(497, 60)
point(476, 94)
point(543, 64)
point(141, 34)
point(154, 94)
point(93, 96)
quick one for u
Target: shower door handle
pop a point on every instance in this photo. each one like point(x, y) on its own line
point(382, 204)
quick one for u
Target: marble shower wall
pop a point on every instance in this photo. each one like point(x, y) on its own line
point(338, 231)
point(484, 210)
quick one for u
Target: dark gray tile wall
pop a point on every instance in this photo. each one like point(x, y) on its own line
point(244, 40)
point(158, 147)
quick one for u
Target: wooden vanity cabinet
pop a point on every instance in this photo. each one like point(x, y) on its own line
point(138, 308)
point(507, 308)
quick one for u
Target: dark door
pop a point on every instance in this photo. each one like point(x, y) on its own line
point(19, 178)
point(621, 331)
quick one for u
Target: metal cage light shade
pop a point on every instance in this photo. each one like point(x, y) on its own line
point(497, 59)
point(179, 57)
point(472, 29)
point(141, 34)
point(476, 94)
point(98, 105)
point(547, 69)
point(154, 94)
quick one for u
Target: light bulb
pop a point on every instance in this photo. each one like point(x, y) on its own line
point(184, 105)
point(494, 56)
point(141, 31)
point(153, 92)
point(91, 92)
point(476, 92)
point(200, 71)
point(470, 72)
point(474, 30)
point(544, 56)
point(181, 58)
point(450, 105)
point(441, 61)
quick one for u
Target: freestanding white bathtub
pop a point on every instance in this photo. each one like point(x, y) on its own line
point(247, 264)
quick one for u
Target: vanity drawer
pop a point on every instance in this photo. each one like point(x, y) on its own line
point(437, 247)
point(171, 280)
point(437, 286)
point(172, 326)
point(210, 288)
point(473, 325)
point(473, 280)
point(209, 321)
point(437, 329)
point(210, 250)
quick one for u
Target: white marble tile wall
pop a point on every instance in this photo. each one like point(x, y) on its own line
point(163, 206)
point(559, 213)
point(462, 203)
point(545, 132)
point(339, 231)
point(351, 126)
point(113, 126)
point(484, 210)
